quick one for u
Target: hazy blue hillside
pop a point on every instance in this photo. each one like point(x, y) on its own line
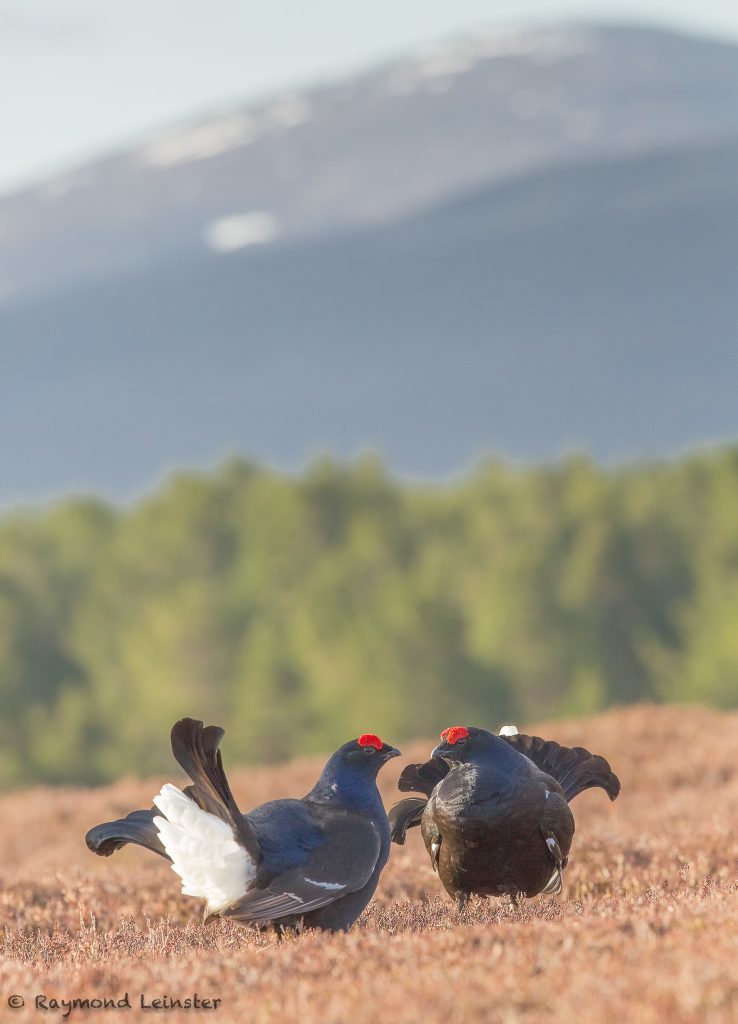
point(592, 305)
point(372, 148)
point(514, 243)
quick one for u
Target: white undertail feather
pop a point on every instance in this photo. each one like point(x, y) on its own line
point(204, 852)
point(509, 730)
point(555, 882)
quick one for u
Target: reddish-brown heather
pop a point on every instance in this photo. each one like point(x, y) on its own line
point(646, 930)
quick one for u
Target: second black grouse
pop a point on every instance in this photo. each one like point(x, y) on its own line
point(495, 817)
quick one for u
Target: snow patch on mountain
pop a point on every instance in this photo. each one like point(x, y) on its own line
point(238, 230)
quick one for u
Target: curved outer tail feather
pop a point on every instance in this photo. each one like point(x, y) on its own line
point(404, 815)
point(415, 778)
point(137, 827)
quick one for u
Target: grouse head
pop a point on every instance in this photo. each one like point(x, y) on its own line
point(366, 754)
point(461, 744)
point(351, 772)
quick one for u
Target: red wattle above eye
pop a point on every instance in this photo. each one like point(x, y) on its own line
point(370, 740)
point(454, 733)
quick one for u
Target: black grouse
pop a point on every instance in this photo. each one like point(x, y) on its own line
point(313, 862)
point(495, 817)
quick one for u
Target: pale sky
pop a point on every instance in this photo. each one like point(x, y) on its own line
point(81, 77)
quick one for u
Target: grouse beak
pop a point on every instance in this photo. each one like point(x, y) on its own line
point(440, 751)
point(390, 752)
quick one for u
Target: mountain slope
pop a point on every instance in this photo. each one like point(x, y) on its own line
point(592, 304)
point(371, 149)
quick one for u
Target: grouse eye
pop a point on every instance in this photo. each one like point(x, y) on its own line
point(460, 742)
point(369, 750)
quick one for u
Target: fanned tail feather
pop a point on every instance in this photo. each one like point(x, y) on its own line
point(574, 768)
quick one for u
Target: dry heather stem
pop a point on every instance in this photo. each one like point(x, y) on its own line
point(647, 929)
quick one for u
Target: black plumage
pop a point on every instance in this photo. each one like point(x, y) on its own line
point(494, 816)
point(312, 862)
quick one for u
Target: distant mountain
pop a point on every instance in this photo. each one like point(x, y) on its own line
point(590, 304)
point(370, 150)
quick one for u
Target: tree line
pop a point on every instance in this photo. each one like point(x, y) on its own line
point(299, 611)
